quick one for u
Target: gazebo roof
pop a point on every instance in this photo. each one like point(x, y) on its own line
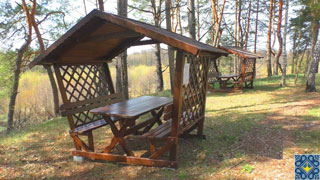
point(241, 52)
point(101, 36)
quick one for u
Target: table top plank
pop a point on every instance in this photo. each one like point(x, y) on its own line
point(133, 107)
point(229, 76)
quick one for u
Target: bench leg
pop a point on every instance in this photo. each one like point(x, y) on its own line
point(90, 140)
point(152, 147)
point(76, 145)
point(113, 144)
point(173, 152)
point(156, 116)
point(200, 127)
point(81, 145)
point(162, 150)
point(118, 136)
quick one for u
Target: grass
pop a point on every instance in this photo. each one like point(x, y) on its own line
point(253, 134)
point(247, 168)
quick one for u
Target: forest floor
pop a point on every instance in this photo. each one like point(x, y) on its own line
point(249, 135)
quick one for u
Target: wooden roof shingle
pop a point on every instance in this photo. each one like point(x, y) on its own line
point(241, 52)
point(101, 36)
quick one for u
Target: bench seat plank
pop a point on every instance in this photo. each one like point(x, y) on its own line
point(159, 132)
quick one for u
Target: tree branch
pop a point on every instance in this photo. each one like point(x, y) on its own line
point(49, 14)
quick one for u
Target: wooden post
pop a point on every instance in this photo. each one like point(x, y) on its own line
point(254, 68)
point(63, 93)
point(201, 122)
point(243, 73)
point(64, 99)
point(177, 103)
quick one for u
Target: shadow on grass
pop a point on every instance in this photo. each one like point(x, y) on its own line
point(230, 138)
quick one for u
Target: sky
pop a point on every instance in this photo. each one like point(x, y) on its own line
point(79, 10)
point(111, 7)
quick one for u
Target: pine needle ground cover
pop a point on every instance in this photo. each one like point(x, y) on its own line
point(253, 134)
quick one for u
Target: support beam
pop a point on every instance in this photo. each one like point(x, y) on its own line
point(126, 159)
point(146, 42)
point(177, 102)
point(122, 47)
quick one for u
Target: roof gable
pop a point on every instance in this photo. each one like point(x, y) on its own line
point(101, 36)
point(241, 52)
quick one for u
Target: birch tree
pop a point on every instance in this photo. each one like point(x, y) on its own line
point(279, 37)
point(191, 19)
point(18, 62)
point(123, 69)
point(168, 6)
point(217, 19)
point(284, 57)
point(315, 50)
point(269, 69)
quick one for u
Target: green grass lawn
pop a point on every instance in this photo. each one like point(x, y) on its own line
point(253, 134)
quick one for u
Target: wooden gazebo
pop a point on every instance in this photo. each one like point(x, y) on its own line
point(247, 73)
point(80, 60)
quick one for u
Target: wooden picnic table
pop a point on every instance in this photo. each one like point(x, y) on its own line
point(224, 79)
point(127, 112)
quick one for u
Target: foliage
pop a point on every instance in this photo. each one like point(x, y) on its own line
point(49, 15)
point(247, 168)
point(6, 72)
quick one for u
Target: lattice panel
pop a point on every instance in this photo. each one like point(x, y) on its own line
point(250, 63)
point(213, 73)
point(83, 82)
point(194, 93)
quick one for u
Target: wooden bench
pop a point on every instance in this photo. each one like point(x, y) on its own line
point(248, 79)
point(74, 108)
point(213, 78)
point(163, 130)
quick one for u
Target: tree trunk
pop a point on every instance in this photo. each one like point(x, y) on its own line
point(284, 57)
point(118, 75)
point(53, 84)
point(256, 28)
point(54, 90)
point(159, 69)
point(240, 31)
point(306, 67)
point(156, 9)
point(101, 6)
point(235, 62)
point(300, 62)
point(293, 52)
point(123, 11)
point(274, 31)
point(170, 49)
point(124, 74)
point(269, 69)
point(217, 21)
point(315, 53)
point(85, 6)
point(198, 20)
point(179, 19)
point(296, 50)
point(191, 19)
point(248, 25)
point(14, 91)
point(279, 36)
point(17, 70)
